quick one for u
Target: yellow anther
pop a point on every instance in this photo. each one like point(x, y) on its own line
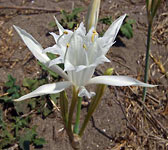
point(76, 27)
point(94, 32)
point(84, 46)
point(68, 45)
point(65, 32)
point(93, 35)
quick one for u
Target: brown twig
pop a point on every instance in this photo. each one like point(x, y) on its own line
point(129, 124)
point(152, 118)
point(31, 8)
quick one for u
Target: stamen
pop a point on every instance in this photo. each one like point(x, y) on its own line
point(84, 46)
point(65, 32)
point(76, 27)
point(93, 35)
point(68, 45)
point(94, 31)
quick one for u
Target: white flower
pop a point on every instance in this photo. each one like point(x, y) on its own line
point(80, 53)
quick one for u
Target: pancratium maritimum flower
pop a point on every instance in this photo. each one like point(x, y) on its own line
point(80, 52)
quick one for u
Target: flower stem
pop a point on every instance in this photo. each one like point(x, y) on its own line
point(147, 59)
point(76, 128)
point(71, 111)
point(64, 107)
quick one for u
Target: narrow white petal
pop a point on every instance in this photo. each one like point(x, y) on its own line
point(76, 54)
point(58, 60)
point(37, 51)
point(114, 28)
point(33, 45)
point(81, 29)
point(100, 60)
point(54, 49)
point(84, 92)
point(46, 89)
point(55, 36)
point(118, 81)
point(61, 29)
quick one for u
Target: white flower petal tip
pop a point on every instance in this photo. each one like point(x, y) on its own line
point(84, 92)
point(32, 44)
point(61, 29)
point(114, 27)
point(37, 50)
point(46, 89)
point(118, 81)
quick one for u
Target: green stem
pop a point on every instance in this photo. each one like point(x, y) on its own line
point(71, 111)
point(76, 128)
point(64, 107)
point(147, 59)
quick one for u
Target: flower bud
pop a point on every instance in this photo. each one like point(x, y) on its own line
point(92, 14)
point(109, 71)
point(151, 7)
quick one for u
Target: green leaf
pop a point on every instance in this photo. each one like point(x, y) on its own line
point(27, 82)
point(126, 30)
point(46, 112)
point(39, 142)
point(131, 21)
point(52, 73)
point(71, 25)
point(52, 24)
point(51, 56)
point(27, 138)
point(6, 99)
point(55, 97)
point(11, 81)
point(32, 104)
point(106, 20)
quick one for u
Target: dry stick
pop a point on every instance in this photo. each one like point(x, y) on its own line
point(130, 126)
point(30, 8)
point(153, 118)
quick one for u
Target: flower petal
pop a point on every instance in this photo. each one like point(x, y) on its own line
point(61, 29)
point(32, 44)
point(46, 89)
point(54, 49)
point(84, 92)
point(55, 36)
point(114, 28)
point(75, 53)
point(37, 51)
point(58, 60)
point(81, 77)
point(118, 81)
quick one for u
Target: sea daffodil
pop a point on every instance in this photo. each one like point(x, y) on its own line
point(80, 52)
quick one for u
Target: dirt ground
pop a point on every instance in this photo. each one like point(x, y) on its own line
point(122, 121)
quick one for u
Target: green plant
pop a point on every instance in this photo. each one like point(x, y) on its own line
point(13, 127)
point(126, 28)
point(11, 89)
point(30, 137)
point(69, 20)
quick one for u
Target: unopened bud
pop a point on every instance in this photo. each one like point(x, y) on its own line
point(109, 71)
point(92, 14)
